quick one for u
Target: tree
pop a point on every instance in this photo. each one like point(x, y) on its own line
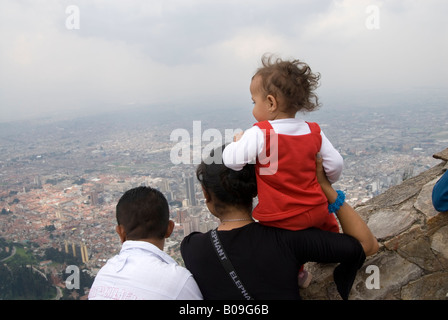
point(50, 227)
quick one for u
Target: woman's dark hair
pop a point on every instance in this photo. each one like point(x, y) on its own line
point(144, 213)
point(229, 187)
point(292, 83)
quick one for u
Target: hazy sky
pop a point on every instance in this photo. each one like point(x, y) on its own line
point(186, 52)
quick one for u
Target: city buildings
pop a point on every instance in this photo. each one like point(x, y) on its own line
point(60, 182)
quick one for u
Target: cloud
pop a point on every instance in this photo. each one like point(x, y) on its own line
point(406, 50)
point(177, 51)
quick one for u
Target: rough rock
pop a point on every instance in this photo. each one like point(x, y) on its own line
point(412, 263)
point(387, 223)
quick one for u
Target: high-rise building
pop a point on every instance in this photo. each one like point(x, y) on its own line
point(94, 198)
point(195, 223)
point(165, 186)
point(187, 225)
point(181, 216)
point(190, 190)
point(37, 181)
point(84, 253)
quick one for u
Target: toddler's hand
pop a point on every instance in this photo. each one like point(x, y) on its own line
point(237, 136)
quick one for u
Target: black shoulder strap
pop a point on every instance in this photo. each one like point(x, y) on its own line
point(219, 249)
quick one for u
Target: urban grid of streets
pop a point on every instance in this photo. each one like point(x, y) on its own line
point(70, 174)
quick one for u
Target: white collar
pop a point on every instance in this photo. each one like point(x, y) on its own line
point(287, 120)
point(146, 246)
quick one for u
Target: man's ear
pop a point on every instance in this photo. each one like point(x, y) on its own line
point(169, 229)
point(121, 232)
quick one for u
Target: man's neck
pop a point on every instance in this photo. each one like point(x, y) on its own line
point(159, 243)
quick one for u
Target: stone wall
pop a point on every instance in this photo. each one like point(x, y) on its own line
point(412, 262)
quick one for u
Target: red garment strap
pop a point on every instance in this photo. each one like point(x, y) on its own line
point(264, 125)
point(266, 128)
point(314, 127)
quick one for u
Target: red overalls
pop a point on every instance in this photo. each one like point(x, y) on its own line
point(289, 196)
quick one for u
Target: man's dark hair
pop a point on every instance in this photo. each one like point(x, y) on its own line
point(144, 213)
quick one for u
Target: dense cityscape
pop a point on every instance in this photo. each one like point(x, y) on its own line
point(60, 180)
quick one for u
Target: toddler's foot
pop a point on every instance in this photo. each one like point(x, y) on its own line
point(304, 279)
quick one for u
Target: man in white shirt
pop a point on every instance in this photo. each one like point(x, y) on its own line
point(142, 270)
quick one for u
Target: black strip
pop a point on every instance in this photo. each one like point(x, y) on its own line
point(219, 249)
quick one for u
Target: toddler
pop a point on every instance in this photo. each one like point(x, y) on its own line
point(284, 150)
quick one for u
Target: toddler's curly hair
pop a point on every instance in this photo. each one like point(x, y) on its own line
point(292, 83)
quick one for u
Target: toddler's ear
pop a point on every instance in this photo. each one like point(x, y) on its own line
point(272, 103)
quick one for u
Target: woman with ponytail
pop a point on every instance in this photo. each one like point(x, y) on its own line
point(243, 259)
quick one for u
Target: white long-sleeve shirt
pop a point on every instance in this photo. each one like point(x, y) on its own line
point(237, 154)
point(143, 272)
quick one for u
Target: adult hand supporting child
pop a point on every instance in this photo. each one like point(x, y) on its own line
point(351, 223)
